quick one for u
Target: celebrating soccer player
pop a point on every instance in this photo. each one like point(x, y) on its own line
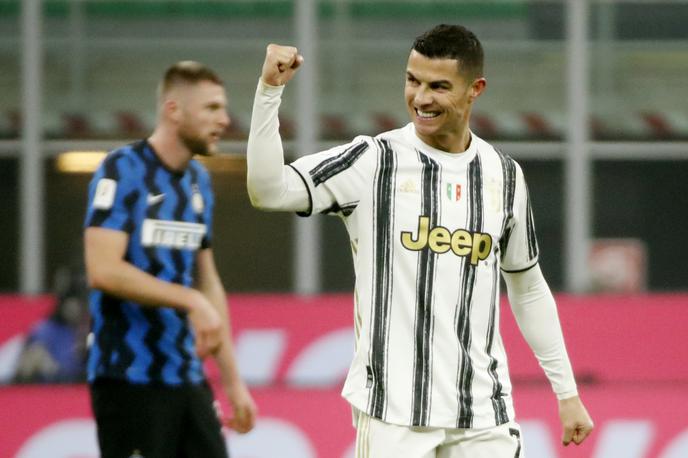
point(434, 214)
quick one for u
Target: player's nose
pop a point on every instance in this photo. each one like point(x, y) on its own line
point(422, 97)
point(225, 120)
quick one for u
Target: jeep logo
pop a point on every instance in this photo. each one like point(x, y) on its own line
point(440, 240)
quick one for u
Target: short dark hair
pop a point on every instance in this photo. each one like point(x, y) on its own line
point(453, 42)
point(187, 72)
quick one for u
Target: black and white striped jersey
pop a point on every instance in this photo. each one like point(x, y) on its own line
point(429, 233)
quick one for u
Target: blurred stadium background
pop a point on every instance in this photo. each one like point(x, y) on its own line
point(590, 96)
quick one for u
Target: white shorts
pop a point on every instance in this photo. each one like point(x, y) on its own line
point(377, 439)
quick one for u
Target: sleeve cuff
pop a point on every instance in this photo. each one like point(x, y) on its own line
point(268, 89)
point(567, 394)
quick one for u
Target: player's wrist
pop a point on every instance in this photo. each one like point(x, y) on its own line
point(567, 394)
point(192, 300)
point(269, 86)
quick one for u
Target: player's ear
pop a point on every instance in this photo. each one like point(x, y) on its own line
point(477, 87)
point(171, 110)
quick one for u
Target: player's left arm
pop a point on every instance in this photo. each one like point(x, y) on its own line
point(536, 315)
point(243, 406)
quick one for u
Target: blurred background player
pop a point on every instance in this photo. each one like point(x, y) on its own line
point(433, 213)
point(55, 348)
point(158, 305)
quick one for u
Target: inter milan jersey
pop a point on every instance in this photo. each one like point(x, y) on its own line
point(167, 216)
point(430, 232)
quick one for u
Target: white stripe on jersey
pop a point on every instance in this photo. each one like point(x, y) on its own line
point(430, 230)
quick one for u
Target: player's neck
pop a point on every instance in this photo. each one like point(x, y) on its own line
point(460, 142)
point(171, 152)
point(455, 142)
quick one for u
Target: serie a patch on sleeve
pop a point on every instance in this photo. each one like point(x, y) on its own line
point(105, 194)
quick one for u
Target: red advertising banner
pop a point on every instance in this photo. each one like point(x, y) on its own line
point(628, 353)
point(631, 422)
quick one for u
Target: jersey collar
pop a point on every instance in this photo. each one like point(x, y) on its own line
point(410, 133)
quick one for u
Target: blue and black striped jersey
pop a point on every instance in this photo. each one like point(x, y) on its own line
point(168, 217)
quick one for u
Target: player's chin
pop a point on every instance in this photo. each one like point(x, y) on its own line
point(211, 149)
point(423, 127)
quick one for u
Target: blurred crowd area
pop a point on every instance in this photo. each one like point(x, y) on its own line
point(102, 58)
point(101, 61)
point(53, 350)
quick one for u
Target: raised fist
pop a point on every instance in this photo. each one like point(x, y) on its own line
point(281, 63)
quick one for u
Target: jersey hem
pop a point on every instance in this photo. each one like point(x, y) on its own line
point(95, 378)
point(479, 421)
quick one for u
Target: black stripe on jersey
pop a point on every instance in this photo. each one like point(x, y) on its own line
point(153, 335)
point(463, 326)
point(184, 331)
point(344, 210)
point(425, 277)
point(200, 216)
point(152, 211)
point(508, 193)
point(115, 353)
point(155, 325)
point(337, 164)
point(498, 403)
point(178, 215)
point(530, 231)
point(129, 202)
point(193, 173)
point(182, 335)
point(383, 227)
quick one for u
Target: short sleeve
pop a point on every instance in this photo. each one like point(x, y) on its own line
point(112, 194)
point(520, 247)
point(335, 178)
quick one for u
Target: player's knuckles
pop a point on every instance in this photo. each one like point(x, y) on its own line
point(272, 48)
point(281, 52)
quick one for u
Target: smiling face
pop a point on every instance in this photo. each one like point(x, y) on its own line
point(201, 116)
point(439, 100)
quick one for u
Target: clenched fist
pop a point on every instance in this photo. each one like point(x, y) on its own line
point(575, 420)
point(281, 63)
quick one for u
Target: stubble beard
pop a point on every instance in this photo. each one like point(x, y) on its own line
point(196, 144)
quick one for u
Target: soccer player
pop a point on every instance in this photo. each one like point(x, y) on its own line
point(434, 213)
point(158, 305)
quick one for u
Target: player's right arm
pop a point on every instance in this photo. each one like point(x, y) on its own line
point(108, 271)
point(271, 184)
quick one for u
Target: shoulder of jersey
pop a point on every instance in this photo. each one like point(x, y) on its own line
point(363, 138)
point(125, 153)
